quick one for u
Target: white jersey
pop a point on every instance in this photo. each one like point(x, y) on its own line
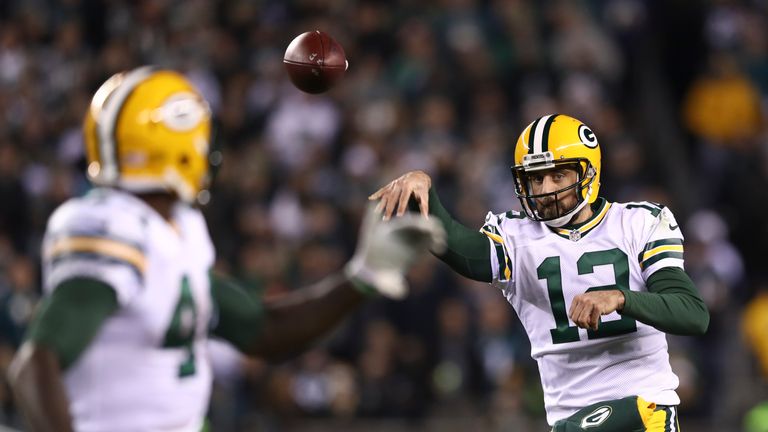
point(147, 369)
point(541, 269)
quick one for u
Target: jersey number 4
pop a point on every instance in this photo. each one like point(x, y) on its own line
point(181, 332)
point(549, 270)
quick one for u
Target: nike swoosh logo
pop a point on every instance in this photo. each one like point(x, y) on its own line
point(673, 227)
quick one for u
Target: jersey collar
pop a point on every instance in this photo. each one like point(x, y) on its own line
point(577, 231)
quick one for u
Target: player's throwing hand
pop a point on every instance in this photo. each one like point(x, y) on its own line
point(393, 198)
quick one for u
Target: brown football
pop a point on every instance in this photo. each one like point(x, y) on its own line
point(315, 61)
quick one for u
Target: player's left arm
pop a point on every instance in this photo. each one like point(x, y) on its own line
point(671, 303)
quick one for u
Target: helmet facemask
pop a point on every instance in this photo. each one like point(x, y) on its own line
point(557, 141)
point(534, 165)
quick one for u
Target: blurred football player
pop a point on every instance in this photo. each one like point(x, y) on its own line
point(120, 342)
point(596, 284)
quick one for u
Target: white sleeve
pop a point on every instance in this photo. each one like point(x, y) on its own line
point(663, 245)
point(85, 240)
point(500, 260)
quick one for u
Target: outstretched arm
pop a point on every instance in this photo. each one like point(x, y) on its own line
point(275, 330)
point(467, 251)
point(281, 328)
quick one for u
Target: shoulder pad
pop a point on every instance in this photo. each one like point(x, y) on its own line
point(98, 217)
point(650, 208)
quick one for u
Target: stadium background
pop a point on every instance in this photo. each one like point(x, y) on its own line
point(676, 91)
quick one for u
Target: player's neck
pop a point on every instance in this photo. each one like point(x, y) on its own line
point(161, 202)
point(583, 215)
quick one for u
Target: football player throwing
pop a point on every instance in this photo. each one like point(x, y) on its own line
point(596, 284)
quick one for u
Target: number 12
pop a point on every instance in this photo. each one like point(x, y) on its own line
point(549, 270)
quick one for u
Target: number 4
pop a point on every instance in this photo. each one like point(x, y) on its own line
point(549, 270)
point(181, 332)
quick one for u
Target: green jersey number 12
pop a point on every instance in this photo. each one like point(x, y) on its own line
point(549, 270)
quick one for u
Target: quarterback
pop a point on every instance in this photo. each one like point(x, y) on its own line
point(596, 284)
point(120, 341)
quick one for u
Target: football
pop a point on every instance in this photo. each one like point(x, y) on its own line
point(315, 61)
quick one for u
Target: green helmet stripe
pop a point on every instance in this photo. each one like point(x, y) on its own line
point(545, 135)
point(531, 133)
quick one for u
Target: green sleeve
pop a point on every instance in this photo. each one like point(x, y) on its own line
point(68, 320)
point(468, 250)
point(672, 304)
point(238, 313)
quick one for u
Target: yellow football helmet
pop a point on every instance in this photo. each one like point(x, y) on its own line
point(149, 130)
point(551, 141)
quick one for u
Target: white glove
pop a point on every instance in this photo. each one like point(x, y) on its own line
point(386, 250)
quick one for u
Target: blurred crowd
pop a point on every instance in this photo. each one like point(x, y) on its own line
point(676, 91)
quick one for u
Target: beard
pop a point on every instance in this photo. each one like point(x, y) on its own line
point(552, 207)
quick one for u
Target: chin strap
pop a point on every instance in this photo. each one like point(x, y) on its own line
point(566, 219)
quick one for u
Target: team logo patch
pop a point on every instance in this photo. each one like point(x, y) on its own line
point(182, 112)
point(596, 417)
point(587, 136)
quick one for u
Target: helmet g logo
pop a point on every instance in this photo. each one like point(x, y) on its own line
point(587, 136)
point(596, 417)
point(181, 112)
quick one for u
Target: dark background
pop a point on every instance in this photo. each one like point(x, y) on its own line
point(676, 92)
